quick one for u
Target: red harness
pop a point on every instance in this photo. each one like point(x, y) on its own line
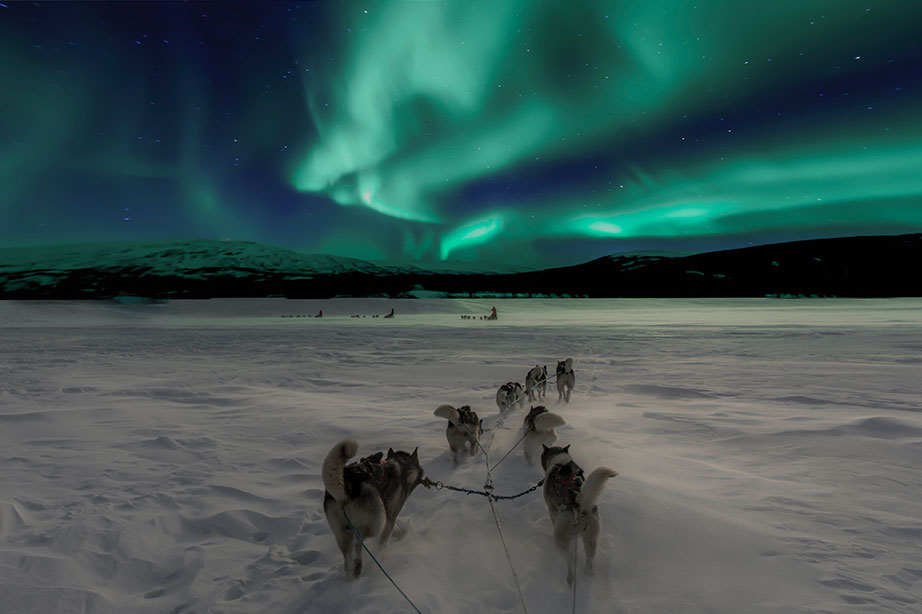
point(370, 468)
point(567, 487)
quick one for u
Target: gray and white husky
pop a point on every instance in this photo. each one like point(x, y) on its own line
point(508, 395)
point(539, 427)
point(463, 428)
point(565, 379)
point(536, 383)
point(371, 492)
point(571, 501)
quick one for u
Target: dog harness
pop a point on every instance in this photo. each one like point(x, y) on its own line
point(374, 467)
point(566, 482)
point(466, 415)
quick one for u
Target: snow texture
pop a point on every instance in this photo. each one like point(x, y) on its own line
point(166, 457)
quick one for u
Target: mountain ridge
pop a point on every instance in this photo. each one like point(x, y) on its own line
point(868, 266)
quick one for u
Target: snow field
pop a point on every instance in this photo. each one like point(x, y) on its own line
point(166, 458)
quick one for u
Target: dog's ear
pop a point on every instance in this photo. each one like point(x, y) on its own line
point(415, 456)
point(545, 447)
point(390, 453)
point(567, 448)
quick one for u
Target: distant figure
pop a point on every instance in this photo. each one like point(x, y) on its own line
point(492, 314)
point(391, 314)
point(319, 314)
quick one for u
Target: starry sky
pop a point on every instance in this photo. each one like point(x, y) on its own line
point(523, 132)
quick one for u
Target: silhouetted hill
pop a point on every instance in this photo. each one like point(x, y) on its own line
point(877, 266)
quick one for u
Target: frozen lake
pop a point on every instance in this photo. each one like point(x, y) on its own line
point(166, 457)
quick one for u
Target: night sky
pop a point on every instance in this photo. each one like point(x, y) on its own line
point(513, 131)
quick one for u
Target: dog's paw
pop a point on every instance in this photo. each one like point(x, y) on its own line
point(400, 530)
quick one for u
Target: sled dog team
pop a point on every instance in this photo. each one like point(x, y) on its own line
point(365, 497)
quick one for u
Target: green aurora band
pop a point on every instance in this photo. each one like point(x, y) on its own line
point(436, 95)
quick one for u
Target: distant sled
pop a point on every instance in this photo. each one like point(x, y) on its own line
point(138, 300)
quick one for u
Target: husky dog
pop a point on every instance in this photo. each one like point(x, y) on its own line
point(571, 501)
point(371, 491)
point(463, 427)
point(565, 379)
point(536, 383)
point(539, 430)
point(508, 395)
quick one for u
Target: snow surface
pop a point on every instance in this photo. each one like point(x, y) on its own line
point(166, 457)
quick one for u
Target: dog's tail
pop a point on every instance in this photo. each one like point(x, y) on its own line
point(569, 364)
point(592, 488)
point(449, 413)
point(333, 466)
point(547, 421)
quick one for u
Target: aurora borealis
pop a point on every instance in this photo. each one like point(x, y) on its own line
point(531, 133)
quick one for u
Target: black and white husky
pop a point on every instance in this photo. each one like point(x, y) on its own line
point(371, 492)
point(571, 501)
point(539, 430)
point(565, 379)
point(508, 395)
point(536, 383)
point(463, 428)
